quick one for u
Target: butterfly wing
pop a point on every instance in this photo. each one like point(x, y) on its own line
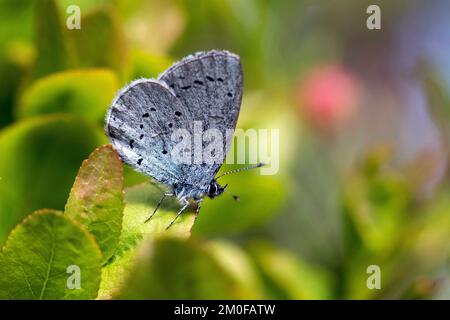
point(139, 124)
point(209, 85)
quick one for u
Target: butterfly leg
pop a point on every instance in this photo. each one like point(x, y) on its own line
point(199, 204)
point(158, 205)
point(186, 204)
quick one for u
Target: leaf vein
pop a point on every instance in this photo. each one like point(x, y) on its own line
point(49, 266)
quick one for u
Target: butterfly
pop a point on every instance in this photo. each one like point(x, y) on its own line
point(205, 87)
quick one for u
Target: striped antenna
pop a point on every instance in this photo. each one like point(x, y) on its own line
point(258, 165)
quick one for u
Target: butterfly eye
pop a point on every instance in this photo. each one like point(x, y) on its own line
point(212, 189)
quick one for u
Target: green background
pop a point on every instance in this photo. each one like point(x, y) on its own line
point(352, 190)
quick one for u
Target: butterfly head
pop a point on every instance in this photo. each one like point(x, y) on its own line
point(215, 189)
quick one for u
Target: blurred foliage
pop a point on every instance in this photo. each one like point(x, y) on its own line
point(40, 158)
point(287, 276)
point(102, 25)
point(52, 48)
point(343, 199)
point(160, 275)
point(84, 93)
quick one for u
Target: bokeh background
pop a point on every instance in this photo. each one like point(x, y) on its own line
point(363, 118)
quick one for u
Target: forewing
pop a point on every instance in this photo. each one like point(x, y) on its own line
point(139, 124)
point(209, 85)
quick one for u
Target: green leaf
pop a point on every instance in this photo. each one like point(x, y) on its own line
point(260, 198)
point(422, 250)
point(96, 199)
point(16, 21)
point(287, 276)
point(238, 265)
point(240, 24)
point(376, 204)
point(14, 63)
point(52, 49)
point(100, 41)
point(145, 65)
point(85, 5)
point(140, 201)
point(16, 52)
point(39, 160)
point(132, 177)
point(35, 259)
point(114, 274)
point(84, 93)
point(174, 269)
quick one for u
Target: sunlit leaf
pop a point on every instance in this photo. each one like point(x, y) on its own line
point(140, 202)
point(36, 261)
point(96, 199)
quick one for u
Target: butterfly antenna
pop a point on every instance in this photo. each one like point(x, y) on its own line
point(235, 197)
point(258, 165)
